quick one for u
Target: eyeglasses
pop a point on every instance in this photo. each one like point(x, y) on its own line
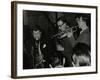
point(61, 25)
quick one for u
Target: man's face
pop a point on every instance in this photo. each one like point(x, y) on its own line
point(37, 34)
point(81, 60)
point(80, 22)
point(62, 25)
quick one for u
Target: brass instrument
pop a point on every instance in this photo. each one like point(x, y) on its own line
point(73, 29)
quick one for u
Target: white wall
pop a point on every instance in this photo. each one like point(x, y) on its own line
point(5, 40)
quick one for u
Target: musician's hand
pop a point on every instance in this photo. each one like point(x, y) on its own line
point(62, 36)
point(59, 47)
point(44, 60)
point(69, 34)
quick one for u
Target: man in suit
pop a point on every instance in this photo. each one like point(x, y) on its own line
point(38, 48)
point(64, 46)
point(83, 22)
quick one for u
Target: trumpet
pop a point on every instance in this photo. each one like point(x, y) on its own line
point(73, 29)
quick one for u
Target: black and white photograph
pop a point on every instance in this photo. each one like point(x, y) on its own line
point(56, 39)
point(53, 39)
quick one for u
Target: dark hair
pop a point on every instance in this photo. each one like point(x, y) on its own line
point(81, 49)
point(63, 18)
point(36, 27)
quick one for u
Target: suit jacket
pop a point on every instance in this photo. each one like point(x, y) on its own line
point(67, 47)
point(84, 37)
point(42, 47)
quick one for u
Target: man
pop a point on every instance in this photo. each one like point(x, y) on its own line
point(84, 36)
point(81, 55)
point(64, 46)
point(38, 48)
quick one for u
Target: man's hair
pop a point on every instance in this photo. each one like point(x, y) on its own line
point(63, 18)
point(36, 27)
point(81, 49)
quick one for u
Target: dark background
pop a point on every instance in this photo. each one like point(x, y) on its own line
point(47, 22)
